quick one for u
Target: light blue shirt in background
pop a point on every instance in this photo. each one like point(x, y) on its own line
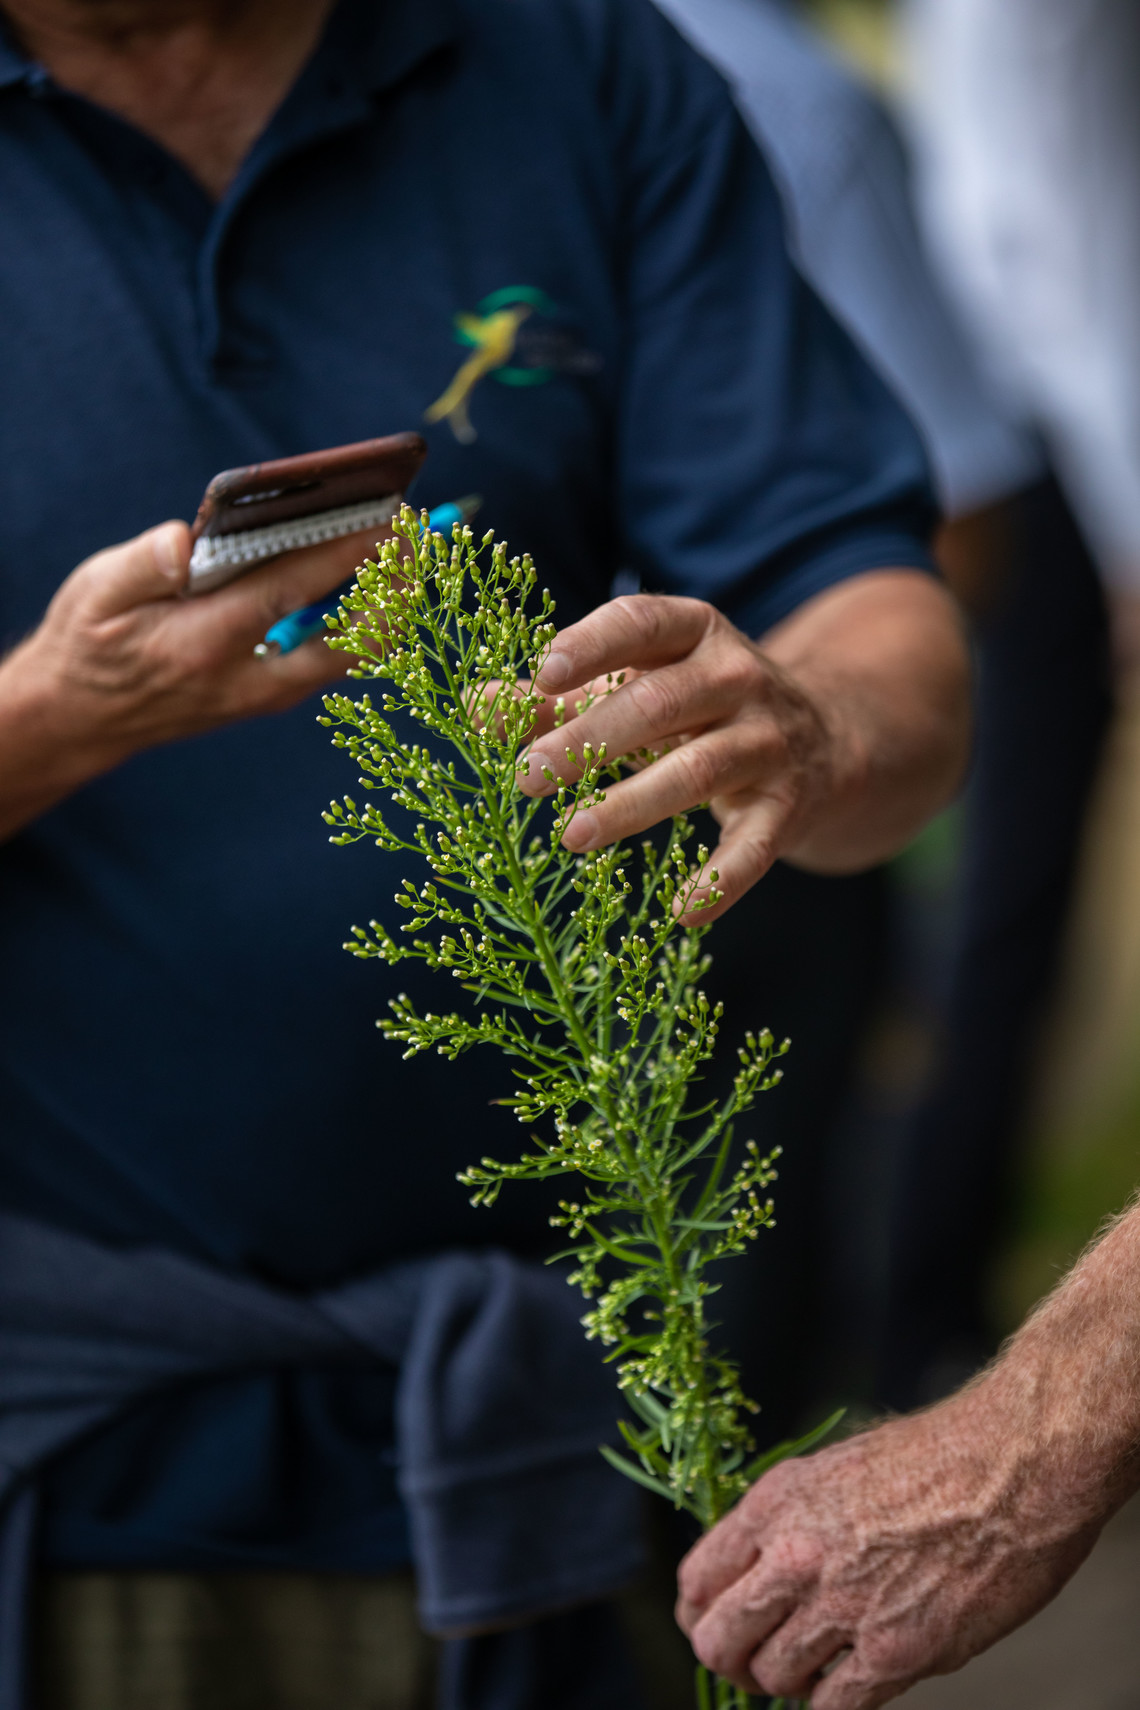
point(843, 174)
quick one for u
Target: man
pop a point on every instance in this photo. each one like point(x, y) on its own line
point(846, 1577)
point(242, 231)
point(1027, 151)
point(936, 319)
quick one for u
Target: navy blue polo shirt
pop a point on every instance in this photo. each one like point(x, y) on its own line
point(186, 1055)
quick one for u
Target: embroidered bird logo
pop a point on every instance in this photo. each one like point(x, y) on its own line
point(493, 338)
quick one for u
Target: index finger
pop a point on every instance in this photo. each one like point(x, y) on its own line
point(713, 1564)
point(635, 629)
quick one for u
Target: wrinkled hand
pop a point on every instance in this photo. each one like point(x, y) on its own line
point(728, 726)
point(122, 660)
point(845, 1577)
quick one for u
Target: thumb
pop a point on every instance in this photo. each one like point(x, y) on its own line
point(153, 566)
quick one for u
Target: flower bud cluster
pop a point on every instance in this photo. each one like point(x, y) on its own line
point(576, 967)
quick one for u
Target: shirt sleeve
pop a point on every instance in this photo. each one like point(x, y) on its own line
point(760, 460)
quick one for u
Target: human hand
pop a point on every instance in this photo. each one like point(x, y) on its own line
point(845, 1577)
point(728, 727)
point(123, 654)
point(123, 661)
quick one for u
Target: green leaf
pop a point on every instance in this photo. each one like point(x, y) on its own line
point(647, 1407)
point(636, 1473)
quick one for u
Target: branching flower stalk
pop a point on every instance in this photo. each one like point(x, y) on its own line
point(583, 974)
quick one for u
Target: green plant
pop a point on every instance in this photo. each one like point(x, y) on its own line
point(583, 974)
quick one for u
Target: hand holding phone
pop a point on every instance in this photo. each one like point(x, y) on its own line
point(123, 661)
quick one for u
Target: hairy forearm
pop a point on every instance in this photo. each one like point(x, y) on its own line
point(913, 1546)
point(883, 658)
point(1065, 1395)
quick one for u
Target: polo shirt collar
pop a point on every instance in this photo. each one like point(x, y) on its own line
point(368, 47)
point(392, 37)
point(15, 66)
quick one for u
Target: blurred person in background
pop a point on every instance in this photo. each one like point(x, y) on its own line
point(1014, 556)
point(1025, 117)
point(848, 1576)
point(1026, 125)
point(806, 956)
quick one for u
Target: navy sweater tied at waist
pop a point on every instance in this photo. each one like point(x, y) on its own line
point(501, 1405)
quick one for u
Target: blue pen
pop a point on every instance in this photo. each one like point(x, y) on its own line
point(289, 632)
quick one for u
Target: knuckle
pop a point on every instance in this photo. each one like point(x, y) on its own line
point(710, 1649)
point(641, 613)
point(691, 1582)
point(741, 671)
point(712, 619)
point(686, 1614)
point(773, 746)
point(646, 614)
point(779, 1480)
point(701, 768)
point(888, 1657)
point(657, 697)
point(778, 1676)
point(761, 1499)
point(756, 853)
point(793, 1562)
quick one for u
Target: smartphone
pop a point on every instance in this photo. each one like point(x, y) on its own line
point(251, 514)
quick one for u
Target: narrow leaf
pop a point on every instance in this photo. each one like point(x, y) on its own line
point(798, 1446)
point(635, 1473)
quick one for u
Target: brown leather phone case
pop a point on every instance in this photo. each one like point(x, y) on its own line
point(253, 513)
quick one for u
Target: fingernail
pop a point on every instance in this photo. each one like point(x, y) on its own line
point(555, 674)
point(533, 775)
point(168, 553)
point(581, 832)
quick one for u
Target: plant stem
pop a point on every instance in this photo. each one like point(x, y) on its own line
point(618, 1030)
